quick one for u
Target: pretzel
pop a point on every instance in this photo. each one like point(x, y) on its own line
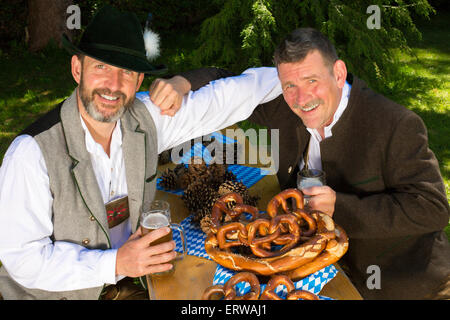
point(288, 240)
point(269, 231)
point(310, 240)
point(296, 257)
point(301, 294)
point(334, 250)
point(212, 290)
point(261, 246)
point(274, 282)
point(221, 207)
point(281, 199)
point(244, 208)
point(230, 292)
point(292, 294)
point(223, 235)
point(310, 221)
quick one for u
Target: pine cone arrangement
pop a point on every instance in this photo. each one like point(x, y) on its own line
point(203, 185)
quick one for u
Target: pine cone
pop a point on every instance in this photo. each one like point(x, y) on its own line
point(180, 170)
point(197, 198)
point(229, 176)
point(169, 180)
point(196, 167)
point(205, 224)
point(217, 174)
point(164, 157)
point(186, 180)
point(240, 188)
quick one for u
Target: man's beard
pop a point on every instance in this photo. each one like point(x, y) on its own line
point(92, 109)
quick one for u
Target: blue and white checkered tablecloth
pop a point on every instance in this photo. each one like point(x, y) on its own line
point(194, 239)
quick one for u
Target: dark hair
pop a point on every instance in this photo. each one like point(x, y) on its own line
point(296, 46)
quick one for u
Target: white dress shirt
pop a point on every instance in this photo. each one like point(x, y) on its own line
point(315, 160)
point(26, 249)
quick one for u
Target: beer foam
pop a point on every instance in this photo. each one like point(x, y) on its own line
point(155, 221)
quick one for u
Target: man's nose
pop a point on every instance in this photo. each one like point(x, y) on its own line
point(302, 97)
point(114, 81)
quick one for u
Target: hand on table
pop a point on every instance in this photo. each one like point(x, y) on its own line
point(168, 94)
point(136, 257)
point(322, 198)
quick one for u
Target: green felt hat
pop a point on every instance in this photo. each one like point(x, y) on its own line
point(115, 38)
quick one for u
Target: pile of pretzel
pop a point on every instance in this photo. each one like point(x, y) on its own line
point(294, 242)
point(228, 290)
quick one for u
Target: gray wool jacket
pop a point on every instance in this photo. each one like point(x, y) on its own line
point(79, 214)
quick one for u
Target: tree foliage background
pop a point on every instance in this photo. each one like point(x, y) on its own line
point(245, 32)
point(237, 34)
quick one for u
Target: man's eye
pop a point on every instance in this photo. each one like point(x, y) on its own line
point(129, 72)
point(100, 66)
point(312, 80)
point(289, 86)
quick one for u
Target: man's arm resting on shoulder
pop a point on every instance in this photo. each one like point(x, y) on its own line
point(213, 107)
point(167, 93)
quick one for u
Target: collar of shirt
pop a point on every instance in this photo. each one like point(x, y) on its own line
point(314, 157)
point(95, 148)
point(339, 111)
point(109, 171)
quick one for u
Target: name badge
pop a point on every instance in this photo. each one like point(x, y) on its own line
point(117, 211)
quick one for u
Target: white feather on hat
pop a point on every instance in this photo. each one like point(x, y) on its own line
point(151, 40)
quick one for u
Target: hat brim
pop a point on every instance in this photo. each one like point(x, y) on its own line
point(117, 59)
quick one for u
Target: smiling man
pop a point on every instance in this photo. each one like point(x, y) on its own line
point(384, 185)
point(63, 178)
point(313, 89)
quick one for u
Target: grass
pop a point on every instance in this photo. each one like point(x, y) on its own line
point(33, 83)
point(423, 85)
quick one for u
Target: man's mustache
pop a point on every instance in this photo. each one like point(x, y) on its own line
point(309, 104)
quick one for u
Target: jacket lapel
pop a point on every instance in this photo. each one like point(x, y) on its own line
point(134, 153)
point(82, 171)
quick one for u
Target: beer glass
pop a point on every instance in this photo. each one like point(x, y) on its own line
point(310, 178)
point(155, 215)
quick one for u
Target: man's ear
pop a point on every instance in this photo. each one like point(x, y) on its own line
point(140, 79)
point(340, 73)
point(77, 67)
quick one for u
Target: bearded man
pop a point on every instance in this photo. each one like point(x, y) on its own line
point(60, 176)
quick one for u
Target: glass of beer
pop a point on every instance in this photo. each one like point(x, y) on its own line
point(308, 178)
point(155, 215)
